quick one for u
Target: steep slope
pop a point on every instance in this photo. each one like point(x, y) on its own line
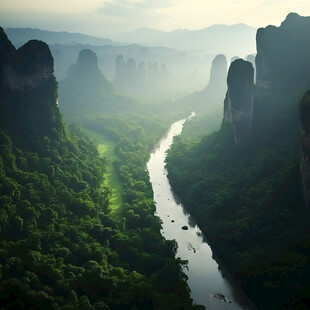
point(87, 91)
point(211, 97)
point(305, 147)
point(29, 96)
point(283, 55)
point(282, 66)
point(207, 103)
point(249, 198)
point(61, 248)
point(239, 101)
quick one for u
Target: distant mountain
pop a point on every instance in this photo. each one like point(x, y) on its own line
point(145, 36)
point(19, 36)
point(87, 91)
point(66, 55)
point(236, 39)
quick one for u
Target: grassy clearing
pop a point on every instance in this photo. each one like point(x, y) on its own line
point(106, 149)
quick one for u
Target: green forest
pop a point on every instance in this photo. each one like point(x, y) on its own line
point(78, 221)
point(249, 204)
point(62, 244)
point(248, 196)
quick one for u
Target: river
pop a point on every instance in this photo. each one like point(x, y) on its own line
point(206, 281)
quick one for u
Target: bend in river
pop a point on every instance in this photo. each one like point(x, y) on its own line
point(208, 285)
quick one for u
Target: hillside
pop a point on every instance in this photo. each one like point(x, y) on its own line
point(61, 246)
point(243, 182)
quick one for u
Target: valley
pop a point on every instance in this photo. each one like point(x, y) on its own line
point(116, 195)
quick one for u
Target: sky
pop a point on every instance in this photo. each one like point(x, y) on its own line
point(108, 18)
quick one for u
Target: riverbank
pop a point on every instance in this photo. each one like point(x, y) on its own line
point(209, 286)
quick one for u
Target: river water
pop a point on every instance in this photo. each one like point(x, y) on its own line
point(208, 285)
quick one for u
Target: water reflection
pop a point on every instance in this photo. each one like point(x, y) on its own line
point(208, 283)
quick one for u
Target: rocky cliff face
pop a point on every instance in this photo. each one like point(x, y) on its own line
point(87, 62)
point(283, 55)
point(86, 71)
point(305, 147)
point(25, 68)
point(86, 89)
point(239, 101)
point(28, 98)
point(218, 73)
point(213, 94)
point(6, 51)
point(29, 67)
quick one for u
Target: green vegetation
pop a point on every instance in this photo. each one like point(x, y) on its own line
point(248, 201)
point(106, 149)
point(61, 245)
point(128, 141)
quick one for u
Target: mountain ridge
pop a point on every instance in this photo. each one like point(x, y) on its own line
point(22, 35)
point(220, 35)
point(191, 30)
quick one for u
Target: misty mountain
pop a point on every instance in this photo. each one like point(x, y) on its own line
point(191, 64)
point(86, 90)
point(191, 67)
point(235, 39)
point(19, 36)
point(66, 55)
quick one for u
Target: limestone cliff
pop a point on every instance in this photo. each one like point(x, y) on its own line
point(305, 147)
point(6, 51)
point(283, 55)
point(28, 99)
point(218, 73)
point(212, 96)
point(86, 89)
point(87, 62)
point(29, 66)
point(86, 71)
point(239, 101)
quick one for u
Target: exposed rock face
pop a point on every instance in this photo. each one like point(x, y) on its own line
point(218, 73)
point(6, 51)
point(283, 55)
point(87, 69)
point(86, 89)
point(239, 101)
point(29, 66)
point(28, 98)
point(305, 147)
point(87, 63)
point(210, 99)
point(25, 68)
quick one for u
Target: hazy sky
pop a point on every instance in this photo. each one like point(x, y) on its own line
point(109, 17)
